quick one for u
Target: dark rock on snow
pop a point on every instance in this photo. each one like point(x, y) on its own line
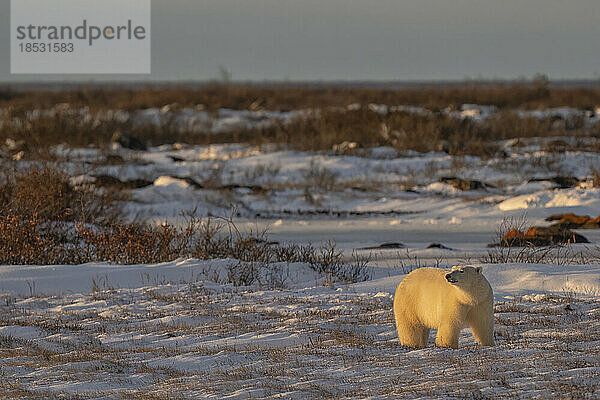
point(438, 246)
point(463, 184)
point(572, 221)
point(128, 141)
point(113, 182)
point(540, 236)
point(385, 246)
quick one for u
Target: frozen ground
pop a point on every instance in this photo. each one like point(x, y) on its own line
point(169, 331)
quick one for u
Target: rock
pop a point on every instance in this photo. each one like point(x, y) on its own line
point(344, 148)
point(438, 246)
point(113, 182)
point(128, 141)
point(385, 246)
point(13, 149)
point(572, 221)
point(114, 159)
point(540, 236)
point(578, 219)
point(563, 182)
point(593, 223)
point(462, 184)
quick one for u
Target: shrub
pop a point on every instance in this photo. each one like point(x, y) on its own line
point(42, 191)
point(32, 240)
point(46, 193)
point(133, 243)
point(27, 240)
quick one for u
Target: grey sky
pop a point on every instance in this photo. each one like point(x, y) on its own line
point(365, 40)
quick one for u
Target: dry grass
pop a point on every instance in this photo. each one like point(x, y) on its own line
point(38, 206)
point(530, 95)
point(321, 131)
point(45, 193)
point(405, 131)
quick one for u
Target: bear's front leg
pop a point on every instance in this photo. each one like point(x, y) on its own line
point(447, 336)
point(481, 321)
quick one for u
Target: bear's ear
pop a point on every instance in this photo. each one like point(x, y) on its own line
point(478, 269)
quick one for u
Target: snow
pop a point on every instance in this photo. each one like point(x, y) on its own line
point(370, 197)
point(441, 188)
point(177, 332)
point(109, 331)
point(168, 181)
point(581, 198)
point(506, 279)
point(270, 182)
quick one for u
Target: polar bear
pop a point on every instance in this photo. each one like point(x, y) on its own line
point(434, 298)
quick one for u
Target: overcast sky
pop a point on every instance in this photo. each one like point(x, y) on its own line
point(365, 39)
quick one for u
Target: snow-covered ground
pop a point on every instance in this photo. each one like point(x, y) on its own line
point(359, 200)
point(371, 197)
point(178, 329)
point(165, 331)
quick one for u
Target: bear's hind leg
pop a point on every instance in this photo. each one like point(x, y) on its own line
point(447, 336)
point(412, 334)
point(425, 337)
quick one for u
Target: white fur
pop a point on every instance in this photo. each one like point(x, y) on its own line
point(425, 299)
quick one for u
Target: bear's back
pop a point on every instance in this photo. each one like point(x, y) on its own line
point(424, 292)
point(430, 277)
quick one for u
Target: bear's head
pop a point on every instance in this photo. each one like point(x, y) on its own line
point(471, 284)
point(464, 277)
